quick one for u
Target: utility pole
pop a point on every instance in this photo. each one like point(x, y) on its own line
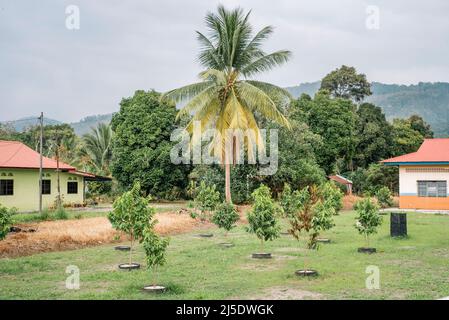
point(41, 119)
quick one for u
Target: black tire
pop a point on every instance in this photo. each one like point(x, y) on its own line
point(306, 273)
point(129, 266)
point(122, 248)
point(261, 255)
point(366, 250)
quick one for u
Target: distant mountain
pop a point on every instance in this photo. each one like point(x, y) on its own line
point(81, 127)
point(27, 122)
point(84, 125)
point(429, 100)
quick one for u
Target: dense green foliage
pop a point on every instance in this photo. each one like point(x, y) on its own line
point(263, 217)
point(428, 100)
point(335, 121)
point(5, 220)
point(368, 218)
point(374, 138)
point(141, 146)
point(225, 216)
point(331, 195)
point(384, 197)
point(155, 249)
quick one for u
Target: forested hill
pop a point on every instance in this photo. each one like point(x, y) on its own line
point(429, 100)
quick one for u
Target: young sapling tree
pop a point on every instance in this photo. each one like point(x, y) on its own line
point(206, 200)
point(262, 219)
point(131, 214)
point(155, 248)
point(225, 216)
point(368, 220)
point(310, 215)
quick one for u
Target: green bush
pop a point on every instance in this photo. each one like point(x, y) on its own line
point(331, 195)
point(206, 200)
point(368, 219)
point(262, 218)
point(225, 216)
point(5, 220)
point(384, 197)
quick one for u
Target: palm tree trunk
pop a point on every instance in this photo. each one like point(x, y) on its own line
point(228, 182)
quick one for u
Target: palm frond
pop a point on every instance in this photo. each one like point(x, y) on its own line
point(257, 100)
point(200, 101)
point(186, 92)
point(266, 63)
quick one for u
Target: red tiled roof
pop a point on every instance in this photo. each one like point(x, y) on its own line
point(14, 154)
point(340, 179)
point(431, 150)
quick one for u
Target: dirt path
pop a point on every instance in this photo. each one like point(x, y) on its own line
point(73, 234)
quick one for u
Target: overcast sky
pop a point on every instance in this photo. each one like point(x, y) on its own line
point(123, 46)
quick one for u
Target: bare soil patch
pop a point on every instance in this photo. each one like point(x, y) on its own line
point(286, 293)
point(73, 234)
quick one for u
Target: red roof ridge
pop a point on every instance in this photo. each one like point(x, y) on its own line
point(432, 150)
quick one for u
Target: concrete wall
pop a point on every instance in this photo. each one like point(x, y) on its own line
point(26, 189)
point(408, 187)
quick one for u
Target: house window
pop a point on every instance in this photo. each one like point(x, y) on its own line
point(432, 189)
point(46, 186)
point(72, 187)
point(6, 187)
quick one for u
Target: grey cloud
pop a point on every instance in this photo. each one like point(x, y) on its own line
point(125, 46)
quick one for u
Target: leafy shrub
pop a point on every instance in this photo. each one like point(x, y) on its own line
point(331, 195)
point(225, 216)
point(310, 214)
point(262, 218)
point(206, 200)
point(155, 248)
point(368, 219)
point(132, 214)
point(384, 197)
point(5, 220)
point(287, 201)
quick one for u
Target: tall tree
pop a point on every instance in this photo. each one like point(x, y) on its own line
point(334, 120)
point(405, 138)
point(226, 98)
point(141, 146)
point(374, 134)
point(417, 123)
point(346, 83)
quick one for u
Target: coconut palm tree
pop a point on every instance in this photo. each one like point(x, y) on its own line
point(96, 151)
point(227, 97)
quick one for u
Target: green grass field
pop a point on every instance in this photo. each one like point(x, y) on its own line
point(198, 268)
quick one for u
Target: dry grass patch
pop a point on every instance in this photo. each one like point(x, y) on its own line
point(73, 234)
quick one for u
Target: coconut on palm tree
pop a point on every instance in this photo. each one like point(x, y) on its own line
point(228, 97)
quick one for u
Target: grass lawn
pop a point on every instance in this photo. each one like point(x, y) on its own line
point(197, 268)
